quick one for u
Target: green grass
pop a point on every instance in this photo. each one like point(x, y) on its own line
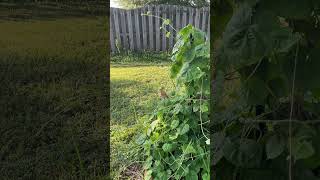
point(53, 98)
point(134, 95)
point(141, 58)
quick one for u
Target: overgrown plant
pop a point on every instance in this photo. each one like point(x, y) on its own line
point(176, 140)
point(266, 127)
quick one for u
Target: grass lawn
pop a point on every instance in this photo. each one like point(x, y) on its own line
point(134, 95)
point(53, 98)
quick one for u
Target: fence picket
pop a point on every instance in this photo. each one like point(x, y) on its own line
point(117, 28)
point(137, 29)
point(157, 27)
point(151, 32)
point(171, 10)
point(112, 43)
point(130, 30)
point(184, 17)
point(144, 29)
point(164, 31)
point(124, 39)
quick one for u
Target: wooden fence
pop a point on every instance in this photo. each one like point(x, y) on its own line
point(130, 31)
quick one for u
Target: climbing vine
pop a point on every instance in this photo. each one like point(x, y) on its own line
point(266, 90)
point(176, 139)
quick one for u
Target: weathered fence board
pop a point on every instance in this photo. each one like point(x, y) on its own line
point(144, 30)
point(151, 32)
point(137, 28)
point(130, 31)
point(157, 13)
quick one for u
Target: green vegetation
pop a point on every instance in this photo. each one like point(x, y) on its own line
point(267, 126)
point(135, 83)
point(141, 58)
point(176, 140)
point(53, 98)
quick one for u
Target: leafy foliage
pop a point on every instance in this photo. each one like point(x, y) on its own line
point(268, 50)
point(175, 141)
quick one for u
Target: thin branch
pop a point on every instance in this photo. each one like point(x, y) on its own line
point(201, 125)
point(159, 18)
point(254, 70)
point(291, 111)
point(279, 121)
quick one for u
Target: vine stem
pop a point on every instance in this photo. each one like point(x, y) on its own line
point(254, 70)
point(201, 125)
point(161, 19)
point(291, 111)
point(281, 121)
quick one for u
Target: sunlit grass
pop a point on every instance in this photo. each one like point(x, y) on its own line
point(134, 95)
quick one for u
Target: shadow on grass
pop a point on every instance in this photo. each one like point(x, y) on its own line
point(53, 118)
point(50, 10)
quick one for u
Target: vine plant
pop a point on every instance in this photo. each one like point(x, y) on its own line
point(266, 126)
point(176, 139)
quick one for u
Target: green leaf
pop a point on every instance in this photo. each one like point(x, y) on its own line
point(168, 34)
point(204, 108)
point(195, 108)
point(313, 162)
point(152, 127)
point(161, 175)
point(257, 90)
point(275, 145)
point(301, 149)
point(141, 139)
point(148, 175)
point(308, 73)
point(243, 44)
point(178, 108)
point(252, 35)
point(243, 153)
point(189, 149)
point(218, 143)
point(148, 163)
point(173, 137)
point(192, 176)
point(167, 147)
point(174, 124)
point(206, 176)
point(184, 129)
point(166, 22)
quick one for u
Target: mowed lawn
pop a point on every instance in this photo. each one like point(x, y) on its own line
point(134, 95)
point(53, 94)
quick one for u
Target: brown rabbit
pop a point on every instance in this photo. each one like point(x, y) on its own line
point(162, 93)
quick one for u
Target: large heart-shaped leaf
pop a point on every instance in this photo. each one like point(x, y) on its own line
point(243, 153)
point(275, 145)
